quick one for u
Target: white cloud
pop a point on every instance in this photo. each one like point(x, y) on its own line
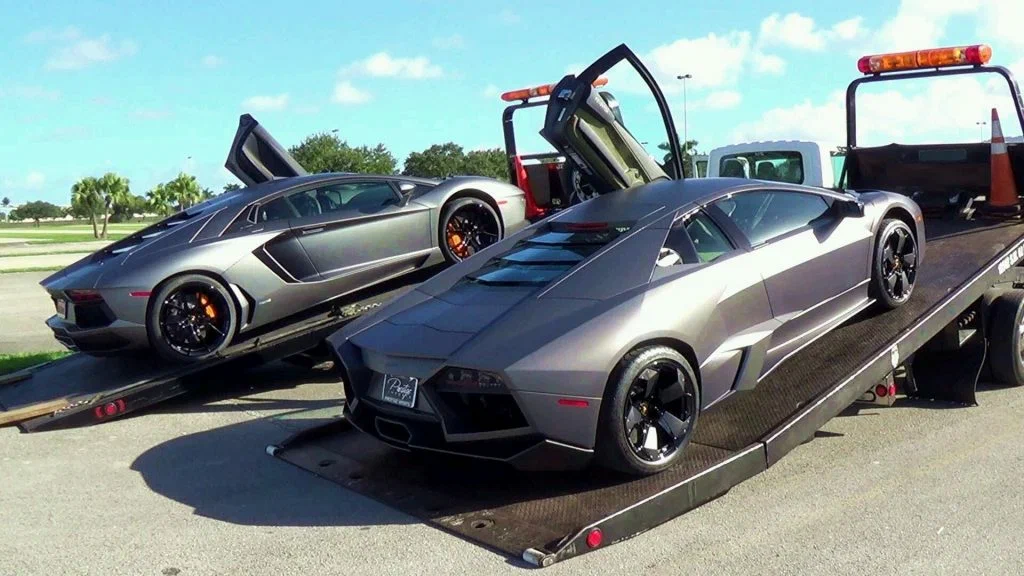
point(449, 42)
point(793, 30)
point(684, 56)
point(507, 16)
point(30, 92)
point(491, 91)
point(918, 23)
point(722, 100)
point(847, 30)
point(346, 93)
point(1000, 20)
point(382, 64)
point(266, 103)
point(84, 52)
point(768, 63)
point(893, 115)
point(35, 179)
point(211, 61)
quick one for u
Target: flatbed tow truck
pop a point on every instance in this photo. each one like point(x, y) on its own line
point(81, 390)
point(963, 323)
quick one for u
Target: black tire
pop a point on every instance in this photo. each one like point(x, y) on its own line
point(894, 265)
point(1006, 318)
point(617, 445)
point(177, 303)
point(474, 222)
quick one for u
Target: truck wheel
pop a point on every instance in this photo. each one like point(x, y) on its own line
point(649, 412)
point(894, 268)
point(1006, 346)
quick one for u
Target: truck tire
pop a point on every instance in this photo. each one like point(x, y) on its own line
point(653, 391)
point(1006, 320)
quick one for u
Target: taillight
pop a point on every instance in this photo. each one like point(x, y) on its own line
point(82, 296)
point(110, 409)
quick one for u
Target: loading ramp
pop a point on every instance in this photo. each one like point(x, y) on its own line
point(546, 517)
point(80, 390)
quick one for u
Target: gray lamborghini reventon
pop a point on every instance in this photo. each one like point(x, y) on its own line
point(192, 284)
point(604, 330)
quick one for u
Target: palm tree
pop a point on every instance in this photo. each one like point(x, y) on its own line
point(185, 191)
point(87, 201)
point(5, 202)
point(115, 191)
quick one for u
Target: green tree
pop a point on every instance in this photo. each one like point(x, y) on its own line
point(438, 161)
point(492, 163)
point(3, 216)
point(689, 149)
point(125, 211)
point(208, 193)
point(231, 186)
point(325, 152)
point(6, 202)
point(161, 200)
point(37, 211)
point(184, 191)
point(115, 191)
point(87, 201)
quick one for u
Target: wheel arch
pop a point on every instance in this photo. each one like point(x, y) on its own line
point(903, 215)
point(684, 349)
point(479, 195)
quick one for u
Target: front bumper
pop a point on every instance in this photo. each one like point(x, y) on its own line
point(399, 429)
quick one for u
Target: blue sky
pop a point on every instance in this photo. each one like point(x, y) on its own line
point(138, 88)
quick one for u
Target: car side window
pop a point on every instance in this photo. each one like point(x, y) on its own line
point(699, 231)
point(707, 237)
point(763, 215)
point(360, 196)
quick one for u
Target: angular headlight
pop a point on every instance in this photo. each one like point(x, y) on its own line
point(466, 380)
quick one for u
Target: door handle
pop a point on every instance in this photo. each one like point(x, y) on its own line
point(309, 231)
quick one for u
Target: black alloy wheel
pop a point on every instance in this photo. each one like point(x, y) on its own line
point(659, 411)
point(895, 264)
point(469, 226)
point(191, 318)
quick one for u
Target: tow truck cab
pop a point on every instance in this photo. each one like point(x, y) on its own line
point(792, 161)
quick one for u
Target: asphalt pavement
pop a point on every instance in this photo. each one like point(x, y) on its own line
point(187, 489)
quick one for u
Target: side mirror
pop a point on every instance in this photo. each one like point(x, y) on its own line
point(851, 208)
point(406, 187)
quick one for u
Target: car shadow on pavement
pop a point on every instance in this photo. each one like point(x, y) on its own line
point(225, 474)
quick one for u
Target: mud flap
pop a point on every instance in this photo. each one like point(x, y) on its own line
point(947, 375)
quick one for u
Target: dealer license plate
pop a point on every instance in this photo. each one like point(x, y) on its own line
point(62, 308)
point(400, 390)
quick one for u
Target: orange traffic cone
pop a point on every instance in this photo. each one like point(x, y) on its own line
point(1003, 200)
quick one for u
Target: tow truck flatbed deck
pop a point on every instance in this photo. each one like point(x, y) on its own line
point(96, 389)
point(545, 518)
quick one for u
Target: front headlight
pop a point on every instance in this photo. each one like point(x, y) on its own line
point(467, 380)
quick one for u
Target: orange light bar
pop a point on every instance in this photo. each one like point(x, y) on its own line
point(543, 90)
point(975, 55)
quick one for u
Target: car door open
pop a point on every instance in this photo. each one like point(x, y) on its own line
point(255, 156)
point(587, 126)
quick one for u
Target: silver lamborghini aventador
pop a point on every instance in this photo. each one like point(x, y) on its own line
point(605, 330)
point(214, 274)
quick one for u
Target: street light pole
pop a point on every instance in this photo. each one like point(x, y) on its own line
point(981, 129)
point(686, 136)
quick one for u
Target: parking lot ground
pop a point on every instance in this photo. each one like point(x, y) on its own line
point(918, 488)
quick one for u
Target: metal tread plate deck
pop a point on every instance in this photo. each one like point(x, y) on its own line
point(143, 380)
point(543, 517)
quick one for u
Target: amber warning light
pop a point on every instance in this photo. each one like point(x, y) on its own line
point(974, 55)
point(543, 90)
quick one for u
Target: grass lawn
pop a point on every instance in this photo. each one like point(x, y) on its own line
point(58, 237)
point(31, 269)
point(14, 362)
